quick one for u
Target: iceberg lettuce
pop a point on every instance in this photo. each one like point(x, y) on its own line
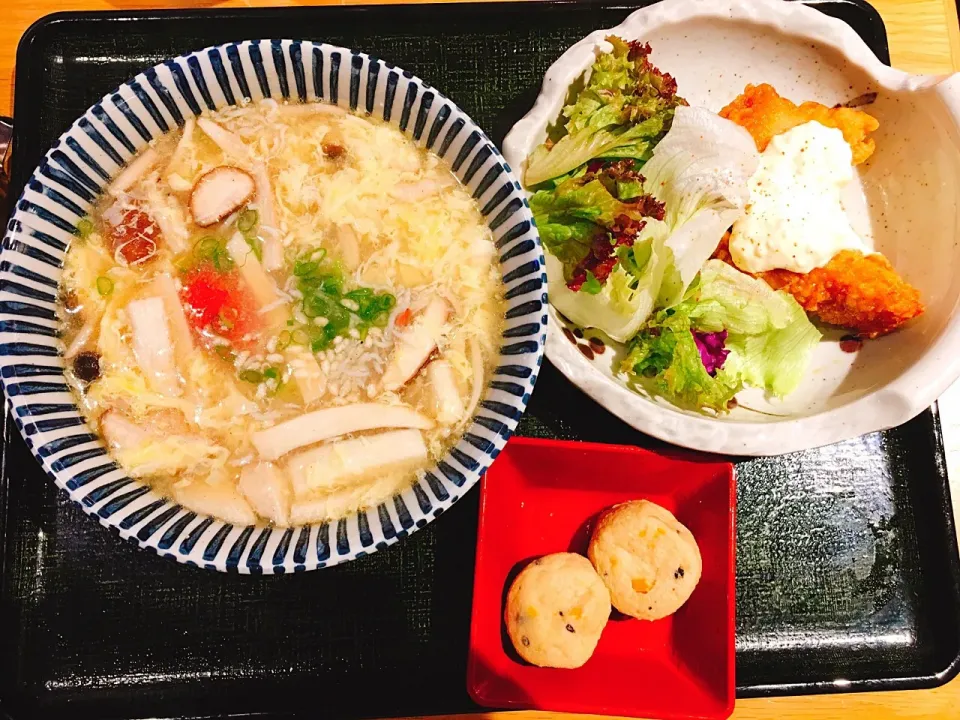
point(768, 341)
point(700, 172)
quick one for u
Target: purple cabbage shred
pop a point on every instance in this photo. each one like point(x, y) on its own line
point(712, 352)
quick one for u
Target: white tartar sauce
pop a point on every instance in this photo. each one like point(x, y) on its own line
point(794, 219)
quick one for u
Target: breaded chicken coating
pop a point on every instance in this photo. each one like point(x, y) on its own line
point(764, 114)
point(856, 291)
point(853, 290)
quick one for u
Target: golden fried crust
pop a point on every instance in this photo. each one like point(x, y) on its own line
point(764, 114)
point(853, 290)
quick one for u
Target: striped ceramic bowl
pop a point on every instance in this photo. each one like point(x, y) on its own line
point(97, 146)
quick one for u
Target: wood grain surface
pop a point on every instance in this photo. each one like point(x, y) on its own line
point(924, 38)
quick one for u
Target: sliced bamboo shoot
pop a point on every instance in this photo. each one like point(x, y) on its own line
point(269, 234)
point(185, 141)
point(415, 191)
point(446, 394)
point(81, 339)
point(133, 172)
point(177, 183)
point(120, 433)
point(294, 110)
point(171, 220)
point(152, 345)
point(305, 512)
point(344, 501)
point(416, 344)
point(349, 461)
point(349, 246)
point(164, 287)
point(319, 425)
point(310, 378)
point(220, 499)
point(267, 488)
point(476, 363)
point(261, 285)
point(229, 142)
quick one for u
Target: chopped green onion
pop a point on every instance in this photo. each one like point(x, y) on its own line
point(359, 294)
point(334, 311)
point(104, 285)
point(213, 249)
point(255, 245)
point(247, 220)
point(304, 269)
point(224, 352)
point(271, 373)
point(299, 337)
point(84, 228)
point(206, 247)
point(283, 340)
point(222, 260)
point(252, 376)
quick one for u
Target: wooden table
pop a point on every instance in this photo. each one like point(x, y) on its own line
point(924, 38)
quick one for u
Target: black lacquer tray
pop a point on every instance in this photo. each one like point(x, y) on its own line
point(847, 573)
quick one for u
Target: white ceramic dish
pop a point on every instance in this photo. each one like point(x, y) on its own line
point(905, 205)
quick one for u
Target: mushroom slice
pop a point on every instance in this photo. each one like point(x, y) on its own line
point(219, 192)
point(220, 499)
point(348, 461)
point(324, 424)
point(446, 395)
point(267, 488)
point(416, 344)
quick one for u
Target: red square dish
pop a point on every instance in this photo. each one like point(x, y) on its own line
point(542, 496)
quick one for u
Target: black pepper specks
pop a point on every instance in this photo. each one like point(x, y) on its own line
point(678, 574)
point(525, 641)
point(570, 628)
point(561, 613)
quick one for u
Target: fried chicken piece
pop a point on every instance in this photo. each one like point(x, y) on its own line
point(853, 290)
point(764, 114)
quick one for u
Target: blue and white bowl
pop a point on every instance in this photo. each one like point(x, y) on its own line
point(95, 148)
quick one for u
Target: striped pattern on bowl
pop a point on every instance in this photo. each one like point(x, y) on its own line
point(97, 146)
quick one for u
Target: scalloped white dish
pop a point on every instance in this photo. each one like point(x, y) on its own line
point(904, 203)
